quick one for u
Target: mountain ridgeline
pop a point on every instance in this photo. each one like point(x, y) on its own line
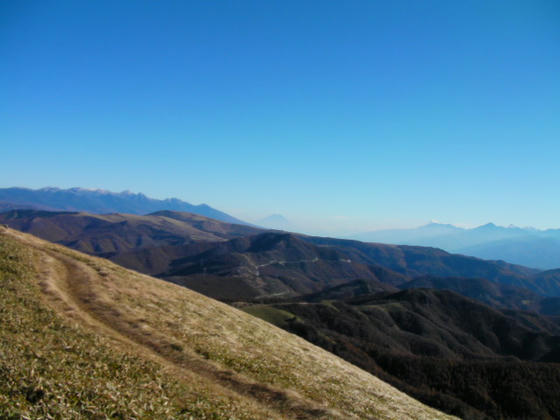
point(100, 201)
point(526, 246)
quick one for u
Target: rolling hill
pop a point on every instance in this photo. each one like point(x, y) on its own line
point(415, 261)
point(448, 351)
point(111, 234)
point(230, 261)
point(548, 282)
point(272, 264)
point(493, 294)
point(82, 337)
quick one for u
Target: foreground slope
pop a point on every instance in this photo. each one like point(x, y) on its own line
point(82, 337)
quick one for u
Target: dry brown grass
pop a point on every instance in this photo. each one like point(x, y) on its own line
point(210, 348)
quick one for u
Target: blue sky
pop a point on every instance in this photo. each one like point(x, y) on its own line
point(342, 116)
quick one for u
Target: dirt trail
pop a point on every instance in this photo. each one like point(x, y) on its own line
point(68, 286)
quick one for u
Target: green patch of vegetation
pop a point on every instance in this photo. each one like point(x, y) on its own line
point(270, 314)
point(330, 303)
point(52, 368)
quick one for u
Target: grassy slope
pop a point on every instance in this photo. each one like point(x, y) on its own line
point(82, 337)
point(54, 366)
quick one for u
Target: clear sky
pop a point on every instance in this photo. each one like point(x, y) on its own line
point(340, 115)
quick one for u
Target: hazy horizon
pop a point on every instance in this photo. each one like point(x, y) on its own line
point(343, 118)
point(303, 226)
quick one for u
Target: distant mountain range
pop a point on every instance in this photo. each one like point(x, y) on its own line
point(100, 201)
point(276, 221)
point(526, 246)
